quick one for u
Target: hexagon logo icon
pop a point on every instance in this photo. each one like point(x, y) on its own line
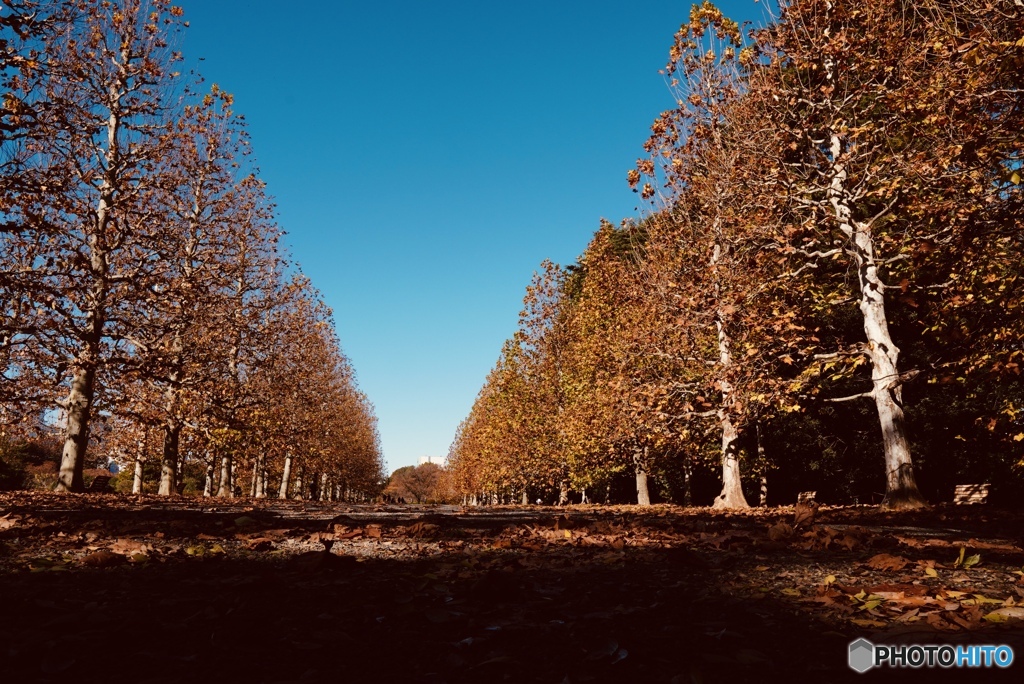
point(862, 655)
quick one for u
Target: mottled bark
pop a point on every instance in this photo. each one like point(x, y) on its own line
point(259, 477)
point(140, 463)
point(901, 486)
point(226, 489)
point(78, 405)
point(762, 460)
point(285, 477)
point(732, 484)
point(643, 495)
point(252, 481)
point(300, 483)
point(169, 462)
point(211, 470)
point(76, 436)
point(901, 489)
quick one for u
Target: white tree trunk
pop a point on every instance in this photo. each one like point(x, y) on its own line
point(300, 483)
point(169, 463)
point(225, 490)
point(763, 463)
point(76, 434)
point(900, 484)
point(259, 474)
point(78, 405)
point(210, 474)
point(732, 484)
point(643, 494)
point(140, 462)
point(172, 426)
point(285, 476)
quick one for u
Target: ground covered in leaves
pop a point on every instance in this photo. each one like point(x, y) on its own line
point(141, 589)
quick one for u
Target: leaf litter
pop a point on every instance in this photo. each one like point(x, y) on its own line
point(522, 594)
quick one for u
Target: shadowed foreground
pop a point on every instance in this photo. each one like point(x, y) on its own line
point(114, 589)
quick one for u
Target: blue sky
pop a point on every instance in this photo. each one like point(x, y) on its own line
point(426, 156)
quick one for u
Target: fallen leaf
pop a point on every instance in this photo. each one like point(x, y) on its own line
point(885, 561)
point(103, 559)
point(1007, 614)
point(258, 544)
point(804, 514)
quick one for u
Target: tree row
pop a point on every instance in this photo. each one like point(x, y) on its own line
point(824, 286)
point(147, 306)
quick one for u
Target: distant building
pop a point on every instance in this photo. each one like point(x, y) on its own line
point(436, 460)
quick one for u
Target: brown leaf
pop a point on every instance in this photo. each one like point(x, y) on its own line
point(780, 531)
point(103, 559)
point(127, 547)
point(804, 515)
point(884, 561)
point(904, 588)
point(848, 542)
point(346, 533)
point(423, 529)
point(260, 544)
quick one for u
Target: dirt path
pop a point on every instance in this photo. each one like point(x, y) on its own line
point(149, 590)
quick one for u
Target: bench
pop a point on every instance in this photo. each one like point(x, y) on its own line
point(98, 484)
point(971, 493)
point(806, 497)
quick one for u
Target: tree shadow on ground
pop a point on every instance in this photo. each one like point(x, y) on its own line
point(655, 617)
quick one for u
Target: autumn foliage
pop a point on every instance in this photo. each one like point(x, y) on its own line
point(148, 310)
point(823, 290)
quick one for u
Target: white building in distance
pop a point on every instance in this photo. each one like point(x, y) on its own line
point(436, 460)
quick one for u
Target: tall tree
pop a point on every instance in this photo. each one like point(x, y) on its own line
point(708, 227)
point(175, 346)
point(854, 95)
point(105, 84)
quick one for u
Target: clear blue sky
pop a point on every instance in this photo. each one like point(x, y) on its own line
point(426, 156)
